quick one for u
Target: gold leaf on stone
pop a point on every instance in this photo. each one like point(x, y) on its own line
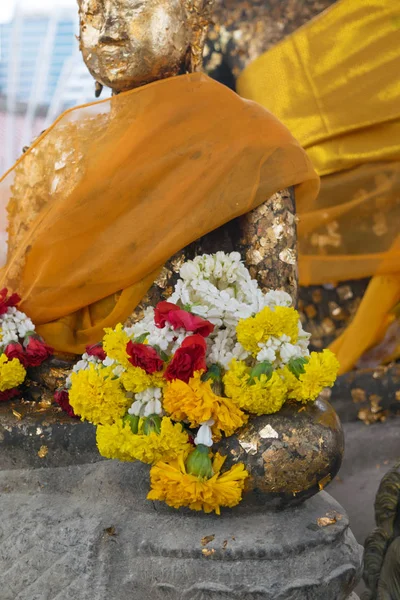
point(16, 414)
point(358, 395)
point(208, 552)
point(325, 521)
point(250, 447)
point(324, 481)
point(43, 404)
point(288, 256)
point(207, 539)
point(43, 451)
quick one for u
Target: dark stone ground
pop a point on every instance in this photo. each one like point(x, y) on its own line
point(40, 436)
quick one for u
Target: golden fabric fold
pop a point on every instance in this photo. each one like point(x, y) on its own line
point(335, 83)
point(114, 189)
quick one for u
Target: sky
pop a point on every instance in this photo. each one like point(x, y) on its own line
point(7, 6)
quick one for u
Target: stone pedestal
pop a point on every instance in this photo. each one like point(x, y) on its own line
point(88, 532)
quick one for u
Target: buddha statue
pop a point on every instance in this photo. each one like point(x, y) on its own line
point(89, 171)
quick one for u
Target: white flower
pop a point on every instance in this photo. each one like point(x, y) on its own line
point(277, 298)
point(204, 434)
point(223, 346)
point(147, 403)
point(153, 408)
point(266, 354)
point(119, 369)
point(289, 351)
point(136, 408)
point(108, 362)
point(14, 326)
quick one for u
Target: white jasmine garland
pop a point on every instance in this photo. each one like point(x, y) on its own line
point(223, 347)
point(279, 351)
point(14, 326)
point(219, 288)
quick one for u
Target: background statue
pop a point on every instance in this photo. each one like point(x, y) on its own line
point(382, 546)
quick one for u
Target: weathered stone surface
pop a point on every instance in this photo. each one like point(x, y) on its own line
point(87, 532)
point(40, 435)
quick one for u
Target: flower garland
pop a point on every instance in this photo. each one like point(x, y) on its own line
point(191, 371)
point(20, 346)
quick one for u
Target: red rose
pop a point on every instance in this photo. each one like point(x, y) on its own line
point(37, 351)
point(161, 312)
point(5, 302)
point(166, 312)
point(62, 399)
point(190, 357)
point(15, 350)
point(8, 394)
point(144, 356)
point(96, 350)
point(186, 320)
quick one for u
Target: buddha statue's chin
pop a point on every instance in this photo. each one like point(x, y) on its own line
point(121, 76)
point(128, 43)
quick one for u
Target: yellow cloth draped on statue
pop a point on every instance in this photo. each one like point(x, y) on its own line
point(335, 83)
point(114, 189)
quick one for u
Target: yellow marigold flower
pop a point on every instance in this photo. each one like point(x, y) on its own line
point(258, 329)
point(97, 396)
point(262, 397)
point(118, 441)
point(320, 372)
point(114, 344)
point(196, 402)
point(172, 484)
point(12, 373)
point(136, 380)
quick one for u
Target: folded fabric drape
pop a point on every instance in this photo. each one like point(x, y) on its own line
point(114, 189)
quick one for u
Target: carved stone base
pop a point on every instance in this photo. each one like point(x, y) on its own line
point(86, 532)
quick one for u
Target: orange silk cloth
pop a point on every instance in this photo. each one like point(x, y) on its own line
point(336, 84)
point(114, 189)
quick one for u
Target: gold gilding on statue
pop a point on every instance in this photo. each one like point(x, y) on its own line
point(129, 43)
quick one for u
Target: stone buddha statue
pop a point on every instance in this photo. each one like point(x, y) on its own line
point(130, 44)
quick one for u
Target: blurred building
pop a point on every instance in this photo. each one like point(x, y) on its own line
point(41, 73)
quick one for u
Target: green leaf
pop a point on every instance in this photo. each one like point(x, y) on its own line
point(262, 368)
point(296, 366)
point(152, 424)
point(160, 353)
point(133, 422)
point(141, 339)
point(213, 372)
